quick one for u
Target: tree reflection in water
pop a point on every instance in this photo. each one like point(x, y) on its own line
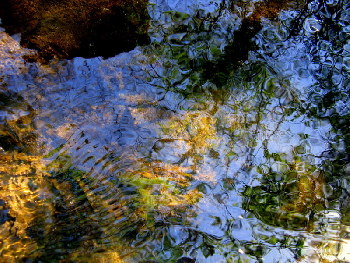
point(180, 150)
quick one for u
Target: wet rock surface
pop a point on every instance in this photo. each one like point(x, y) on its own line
point(67, 29)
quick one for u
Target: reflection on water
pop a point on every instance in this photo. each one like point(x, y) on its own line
point(178, 150)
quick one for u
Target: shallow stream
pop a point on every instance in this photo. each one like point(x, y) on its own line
point(176, 149)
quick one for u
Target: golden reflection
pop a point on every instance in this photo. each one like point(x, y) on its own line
point(106, 257)
point(22, 189)
point(22, 185)
point(85, 255)
point(196, 128)
point(310, 189)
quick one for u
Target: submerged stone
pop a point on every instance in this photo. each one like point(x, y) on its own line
point(72, 28)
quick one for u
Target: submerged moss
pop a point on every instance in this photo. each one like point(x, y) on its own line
point(288, 199)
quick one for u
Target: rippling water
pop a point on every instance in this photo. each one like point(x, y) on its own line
point(177, 149)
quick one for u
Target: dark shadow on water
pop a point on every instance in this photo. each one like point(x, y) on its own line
point(68, 29)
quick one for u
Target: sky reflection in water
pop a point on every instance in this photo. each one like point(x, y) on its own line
point(144, 156)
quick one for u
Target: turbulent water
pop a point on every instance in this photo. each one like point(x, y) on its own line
point(176, 149)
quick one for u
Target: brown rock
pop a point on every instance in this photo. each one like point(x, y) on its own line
point(71, 28)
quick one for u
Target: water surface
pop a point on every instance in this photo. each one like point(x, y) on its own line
point(179, 148)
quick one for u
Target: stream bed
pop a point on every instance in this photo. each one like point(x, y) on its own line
point(185, 148)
